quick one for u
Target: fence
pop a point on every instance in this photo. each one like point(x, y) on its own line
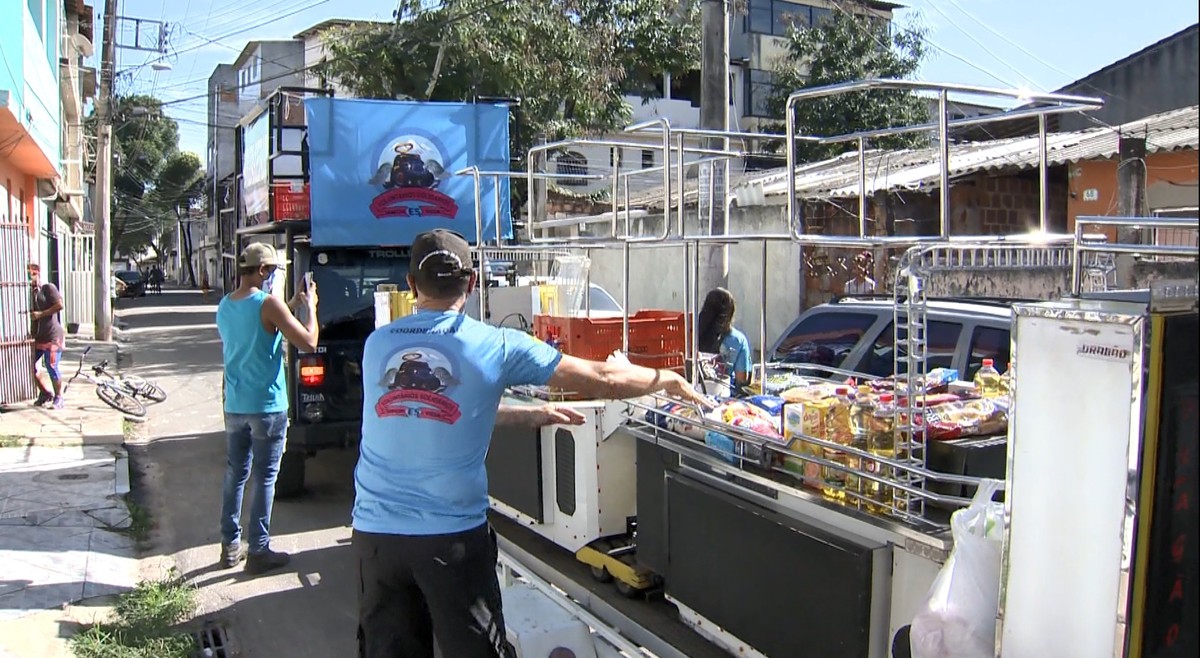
point(78, 279)
point(16, 346)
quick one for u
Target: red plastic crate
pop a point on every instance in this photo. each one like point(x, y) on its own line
point(655, 337)
point(291, 204)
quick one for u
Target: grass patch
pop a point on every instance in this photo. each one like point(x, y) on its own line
point(9, 441)
point(140, 523)
point(144, 625)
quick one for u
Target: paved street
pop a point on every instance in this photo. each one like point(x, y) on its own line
point(177, 466)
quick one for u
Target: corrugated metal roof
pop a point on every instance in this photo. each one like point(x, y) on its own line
point(917, 169)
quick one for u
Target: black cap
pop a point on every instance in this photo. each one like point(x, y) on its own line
point(440, 255)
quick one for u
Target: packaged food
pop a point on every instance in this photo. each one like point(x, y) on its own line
point(769, 403)
point(685, 427)
point(804, 419)
point(980, 417)
point(778, 382)
point(749, 417)
point(810, 393)
point(839, 429)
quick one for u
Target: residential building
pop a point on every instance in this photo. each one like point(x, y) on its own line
point(43, 87)
point(233, 91)
point(1160, 77)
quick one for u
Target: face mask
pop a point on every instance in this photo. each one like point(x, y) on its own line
point(268, 285)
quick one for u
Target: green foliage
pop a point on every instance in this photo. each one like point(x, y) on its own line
point(569, 61)
point(851, 46)
point(144, 625)
point(152, 179)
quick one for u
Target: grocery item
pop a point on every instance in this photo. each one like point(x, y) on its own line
point(988, 381)
point(839, 429)
point(862, 413)
point(981, 417)
point(769, 403)
point(748, 416)
point(881, 441)
point(809, 393)
point(777, 382)
point(806, 419)
point(686, 426)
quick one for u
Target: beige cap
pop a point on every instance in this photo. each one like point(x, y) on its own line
point(258, 254)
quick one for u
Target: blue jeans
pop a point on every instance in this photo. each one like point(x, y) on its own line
point(255, 443)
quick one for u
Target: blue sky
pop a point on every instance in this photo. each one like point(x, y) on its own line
point(1035, 44)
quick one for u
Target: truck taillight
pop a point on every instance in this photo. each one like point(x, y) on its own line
point(312, 371)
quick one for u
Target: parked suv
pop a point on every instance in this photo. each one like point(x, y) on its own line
point(857, 334)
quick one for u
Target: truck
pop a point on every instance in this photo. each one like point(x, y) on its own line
point(342, 186)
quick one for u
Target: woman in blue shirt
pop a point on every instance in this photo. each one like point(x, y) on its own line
point(716, 334)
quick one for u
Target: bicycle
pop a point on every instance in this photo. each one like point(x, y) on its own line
point(120, 393)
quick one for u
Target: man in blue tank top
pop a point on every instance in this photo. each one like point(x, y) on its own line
point(253, 324)
point(432, 385)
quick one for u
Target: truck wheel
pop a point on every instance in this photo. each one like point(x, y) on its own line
point(601, 575)
point(290, 481)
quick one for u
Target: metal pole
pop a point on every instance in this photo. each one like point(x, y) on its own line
point(862, 187)
point(689, 324)
point(943, 165)
point(625, 298)
point(102, 207)
point(616, 183)
point(695, 289)
point(481, 278)
point(1043, 177)
point(762, 324)
point(680, 172)
point(790, 148)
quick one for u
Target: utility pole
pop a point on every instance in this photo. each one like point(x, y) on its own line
point(1131, 199)
point(715, 96)
point(102, 201)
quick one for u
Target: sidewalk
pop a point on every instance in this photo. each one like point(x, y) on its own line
point(64, 524)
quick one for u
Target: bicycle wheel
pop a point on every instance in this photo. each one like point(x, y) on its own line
point(136, 386)
point(120, 400)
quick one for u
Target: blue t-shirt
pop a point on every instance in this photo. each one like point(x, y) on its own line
point(253, 357)
point(735, 354)
point(432, 383)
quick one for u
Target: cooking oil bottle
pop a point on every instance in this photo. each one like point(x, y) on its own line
point(840, 429)
point(881, 441)
point(862, 414)
point(988, 382)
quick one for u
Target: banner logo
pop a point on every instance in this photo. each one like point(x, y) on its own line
point(415, 383)
point(409, 171)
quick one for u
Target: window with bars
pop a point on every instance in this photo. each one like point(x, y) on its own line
point(572, 163)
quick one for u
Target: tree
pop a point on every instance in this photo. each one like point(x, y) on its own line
point(178, 187)
point(850, 45)
point(569, 61)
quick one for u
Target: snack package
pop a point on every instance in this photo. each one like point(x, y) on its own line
point(979, 417)
point(747, 416)
point(769, 403)
point(811, 393)
point(938, 379)
point(777, 382)
point(687, 412)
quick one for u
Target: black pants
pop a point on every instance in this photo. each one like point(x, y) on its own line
point(415, 588)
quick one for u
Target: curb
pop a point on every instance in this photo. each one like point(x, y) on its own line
point(121, 483)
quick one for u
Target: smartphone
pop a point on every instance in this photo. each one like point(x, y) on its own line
point(308, 281)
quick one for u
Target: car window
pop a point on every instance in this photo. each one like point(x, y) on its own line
point(942, 338)
point(824, 338)
point(988, 343)
point(602, 301)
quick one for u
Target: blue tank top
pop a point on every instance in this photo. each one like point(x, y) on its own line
point(254, 381)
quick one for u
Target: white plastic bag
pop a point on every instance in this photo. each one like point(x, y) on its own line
point(958, 618)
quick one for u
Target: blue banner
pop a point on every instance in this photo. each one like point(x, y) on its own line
point(383, 171)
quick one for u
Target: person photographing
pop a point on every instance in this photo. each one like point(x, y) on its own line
point(432, 384)
point(253, 325)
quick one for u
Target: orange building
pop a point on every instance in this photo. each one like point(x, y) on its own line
point(1171, 185)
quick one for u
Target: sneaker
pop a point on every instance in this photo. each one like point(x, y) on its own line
point(59, 404)
point(42, 398)
point(232, 555)
point(257, 563)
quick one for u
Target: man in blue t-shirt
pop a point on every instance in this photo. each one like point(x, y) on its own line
point(432, 385)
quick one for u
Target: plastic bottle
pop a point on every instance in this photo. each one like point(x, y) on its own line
point(840, 430)
point(1007, 378)
point(881, 441)
point(863, 415)
point(988, 381)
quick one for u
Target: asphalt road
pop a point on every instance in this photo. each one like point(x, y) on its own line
point(178, 462)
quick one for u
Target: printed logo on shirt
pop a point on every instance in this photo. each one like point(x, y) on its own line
point(415, 382)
